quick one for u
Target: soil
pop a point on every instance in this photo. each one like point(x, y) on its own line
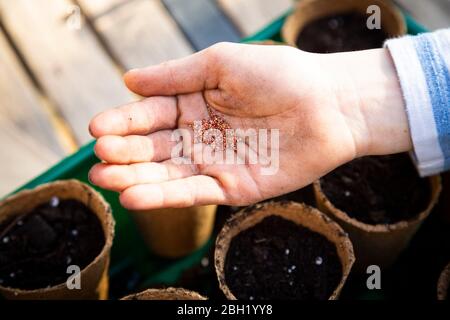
point(378, 189)
point(37, 247)
point(278, 259)
point(339, 33)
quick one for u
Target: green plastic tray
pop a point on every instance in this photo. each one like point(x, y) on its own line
point(133, 267)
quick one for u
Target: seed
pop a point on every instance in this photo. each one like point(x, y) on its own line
point(235, 268)
point(5, 239)
point(318, 261)
point(251, 298)
point(214, 122)
point(347, 193)
point(291, 283)
point(74, 232)
point(293, 267)
point(20, 223)
point(12, 275)
point(204, 262)
point(68, 259)
point(54, 202)
point(286, 252)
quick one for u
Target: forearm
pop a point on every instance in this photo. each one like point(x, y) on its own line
point(370, 99)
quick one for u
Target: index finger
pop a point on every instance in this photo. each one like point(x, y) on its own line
point(140, 118)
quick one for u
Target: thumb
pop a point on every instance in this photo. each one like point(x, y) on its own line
point(193, 73)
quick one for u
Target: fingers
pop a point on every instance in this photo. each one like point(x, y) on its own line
point(196, 72)
point(155, 147)
point(142, 117)
point(180, 193)
point(121, 177)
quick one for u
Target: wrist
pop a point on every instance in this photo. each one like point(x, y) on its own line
point(370, 100)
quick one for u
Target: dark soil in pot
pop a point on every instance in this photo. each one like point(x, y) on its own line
point(37, 247)
point(378, 189)
point(278, 259)
point(339, 33)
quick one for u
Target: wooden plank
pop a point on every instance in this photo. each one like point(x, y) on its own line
point(29, 142)
point(73, 69)
point(202, 22)
point(139, 33)
point(99, 7)
point(20, 104)
point(252, 15)
point(22, 158)
point(433, 14)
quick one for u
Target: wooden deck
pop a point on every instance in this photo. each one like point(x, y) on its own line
point(61, 62)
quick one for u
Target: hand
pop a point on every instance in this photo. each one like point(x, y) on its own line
point(313, 100)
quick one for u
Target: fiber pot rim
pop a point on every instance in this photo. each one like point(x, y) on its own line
point(291, 24)
point(108, 232)
point(236, 224)
point(435, 189)
point(181, 293)
point(444, 283)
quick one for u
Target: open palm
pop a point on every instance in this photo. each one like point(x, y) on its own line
point(251, 87)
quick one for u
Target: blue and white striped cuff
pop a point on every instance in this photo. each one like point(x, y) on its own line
point(423, 67)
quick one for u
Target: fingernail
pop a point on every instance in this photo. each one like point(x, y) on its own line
point(90, 131)
point(132, 71)
point(89, 177)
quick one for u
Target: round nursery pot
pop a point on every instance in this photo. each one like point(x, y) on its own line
point(165, 294)
point(175, 232)
point(282, 250)
point(381, 202)
point(46, 234)
point(443, 287)
point(324, 26)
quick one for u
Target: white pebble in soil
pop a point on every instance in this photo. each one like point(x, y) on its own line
point(54, 202)
point(318, 261)
point(204, 262)
point(291, 268)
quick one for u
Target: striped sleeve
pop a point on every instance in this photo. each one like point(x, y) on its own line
point(423, 67)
